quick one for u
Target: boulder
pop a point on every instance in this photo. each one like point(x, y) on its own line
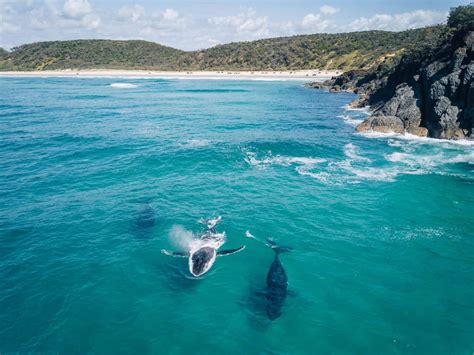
point(384, 124)
point(418, 131)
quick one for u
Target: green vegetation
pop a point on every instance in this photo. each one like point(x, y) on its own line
point(344, 51)
point(3, 53)
point(462, 17)
point(87, 54)
point(330, 51)
point(460, 20)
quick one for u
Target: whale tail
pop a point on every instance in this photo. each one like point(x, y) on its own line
point(278, 249)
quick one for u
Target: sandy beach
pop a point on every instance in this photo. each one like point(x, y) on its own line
point(246, 75)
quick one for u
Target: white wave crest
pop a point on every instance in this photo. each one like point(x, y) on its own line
point(281, 160)
point(350, 151)
point(123, 85)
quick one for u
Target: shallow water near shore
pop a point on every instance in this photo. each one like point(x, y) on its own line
point(99, 174)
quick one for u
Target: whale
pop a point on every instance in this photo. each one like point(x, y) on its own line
point(203, 251)
point(277, 283)
point(144, 218)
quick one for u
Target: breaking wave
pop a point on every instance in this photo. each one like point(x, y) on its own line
point(123, 85)
point(355, 166)
point(280, 160)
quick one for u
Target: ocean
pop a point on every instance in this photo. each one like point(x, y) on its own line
point(98, 175)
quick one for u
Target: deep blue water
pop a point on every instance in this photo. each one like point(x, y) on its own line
point(96, 179)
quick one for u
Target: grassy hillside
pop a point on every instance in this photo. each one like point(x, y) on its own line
point(331, 51)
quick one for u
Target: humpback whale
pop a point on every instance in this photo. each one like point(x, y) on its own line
point(144, 217)
point(203, 251)
point(277, 283)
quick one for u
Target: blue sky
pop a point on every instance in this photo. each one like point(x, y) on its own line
point(194, 24)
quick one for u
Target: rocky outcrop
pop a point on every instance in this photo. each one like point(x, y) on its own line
point(344, 82)
point(426, 94)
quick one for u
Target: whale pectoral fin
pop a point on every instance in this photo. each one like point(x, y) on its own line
point(175, 253)
point(230, 251)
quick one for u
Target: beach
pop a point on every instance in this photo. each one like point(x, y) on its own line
point(314, 74)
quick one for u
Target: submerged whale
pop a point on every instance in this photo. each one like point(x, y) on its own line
point(203, 251)
point(277, 283)
point(144, 217)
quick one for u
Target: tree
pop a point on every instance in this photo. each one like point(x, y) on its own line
point(462, 17)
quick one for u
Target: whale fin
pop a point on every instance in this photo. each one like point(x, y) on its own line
point(278, 248)
point(175, 253)
point(230, 251)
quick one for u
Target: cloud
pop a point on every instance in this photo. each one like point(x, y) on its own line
point(133, 12)
point(245, 23)
point(91, 21)
point(314, 23)
point(167, 21)
point(75, 14)
point(328, 10)
point(398, 22)
point(77, 8)
point(8, 27)
point(170, 15)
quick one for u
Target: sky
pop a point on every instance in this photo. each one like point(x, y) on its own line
point(196, 24)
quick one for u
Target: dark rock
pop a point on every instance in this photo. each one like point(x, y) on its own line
point(427, 91)
point(431, 94)
point(384, 124)
point(458, 58)
point(344, 82)
point(406, 105)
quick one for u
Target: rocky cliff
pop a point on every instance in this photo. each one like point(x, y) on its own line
point(427, 92)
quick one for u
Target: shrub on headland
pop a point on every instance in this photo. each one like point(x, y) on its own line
point(462, 18)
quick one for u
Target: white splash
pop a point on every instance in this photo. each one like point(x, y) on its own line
point(181, 237)
point(351, 120)
point(365, 110)
point(418, 140)
point(186, 240)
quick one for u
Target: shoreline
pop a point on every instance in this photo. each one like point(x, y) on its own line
point(223, 74)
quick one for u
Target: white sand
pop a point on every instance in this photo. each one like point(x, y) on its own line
point(255, 75)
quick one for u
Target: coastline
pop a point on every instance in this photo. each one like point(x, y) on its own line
point(226, 74)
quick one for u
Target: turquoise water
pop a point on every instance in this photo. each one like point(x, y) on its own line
point(381, 226)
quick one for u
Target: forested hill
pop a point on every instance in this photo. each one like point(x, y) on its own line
point(344, 51)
